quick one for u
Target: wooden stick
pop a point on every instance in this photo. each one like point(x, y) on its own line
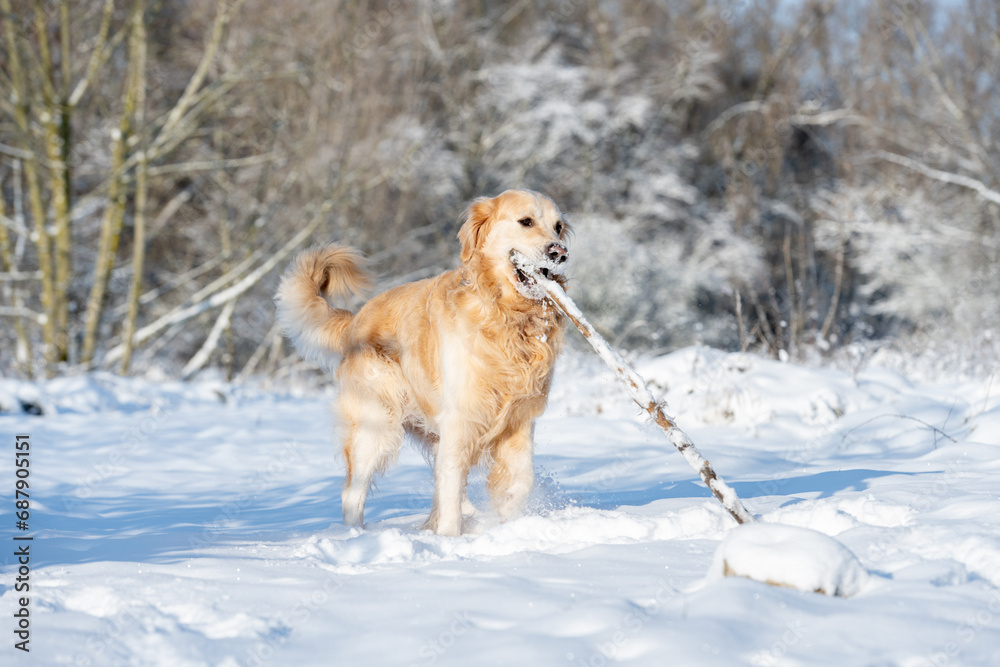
point(638, 391)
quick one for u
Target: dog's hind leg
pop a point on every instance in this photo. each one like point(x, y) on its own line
point(372, 416)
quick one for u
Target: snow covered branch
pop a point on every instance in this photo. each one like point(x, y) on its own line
point(224, 296)
point(201, 358)
point(14, 311)
point(938, 175)
point(639, 392)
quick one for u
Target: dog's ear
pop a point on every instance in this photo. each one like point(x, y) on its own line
point(472, 233)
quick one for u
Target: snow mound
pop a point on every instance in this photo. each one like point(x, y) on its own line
point(789, 556)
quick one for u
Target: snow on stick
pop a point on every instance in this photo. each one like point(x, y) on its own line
point(637, 389)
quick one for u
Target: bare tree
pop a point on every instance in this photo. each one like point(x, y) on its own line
point(769, 181)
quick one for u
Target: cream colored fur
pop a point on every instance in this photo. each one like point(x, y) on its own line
point(463, 361)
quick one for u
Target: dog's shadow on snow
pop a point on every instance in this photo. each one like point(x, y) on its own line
point(165, 527)
point(160, 526)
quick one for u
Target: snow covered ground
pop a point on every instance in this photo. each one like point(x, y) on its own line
point(199, 524)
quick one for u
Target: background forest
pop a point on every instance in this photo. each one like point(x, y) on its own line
point(802, 179)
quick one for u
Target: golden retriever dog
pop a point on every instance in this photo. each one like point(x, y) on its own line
point(463, 361)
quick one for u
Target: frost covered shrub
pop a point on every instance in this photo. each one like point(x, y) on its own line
point(628, 289)
point(920, 258)
point(670, 290)
point(810, 165)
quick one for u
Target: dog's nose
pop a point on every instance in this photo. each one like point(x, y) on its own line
point(557, 252)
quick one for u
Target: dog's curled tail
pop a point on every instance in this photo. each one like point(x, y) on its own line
point(317, 330)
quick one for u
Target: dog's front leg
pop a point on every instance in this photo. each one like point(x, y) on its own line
point(451, 472)
point(512, 476)
point(457, 433)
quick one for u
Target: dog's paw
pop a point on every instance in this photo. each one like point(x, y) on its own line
point(468, 509)
point(447, 528)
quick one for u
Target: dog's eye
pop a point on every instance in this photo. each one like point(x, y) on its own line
point(526, 222)
point(559, 228)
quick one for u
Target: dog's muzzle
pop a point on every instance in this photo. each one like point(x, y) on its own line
point(556, 253)
point(550, 265)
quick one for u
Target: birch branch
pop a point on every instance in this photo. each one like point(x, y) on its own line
point(18, 153)
point(167, 212)
point(13, 276)
point(819, 119)
point(638, 391)
point(752, 106)
point(180, 133)
point(228, 277)
point(211, 165)
point(15, 311)
point(14, 225)
point(258, 354)
point(945, 177)
point(171, 284)
point(219, 298)
point(946, 93)
point(204, 353)
point(223, 16)
point(97, 56)
point(824, 118)
point(44, 65)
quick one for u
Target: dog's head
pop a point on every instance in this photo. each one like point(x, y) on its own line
point(521, 220)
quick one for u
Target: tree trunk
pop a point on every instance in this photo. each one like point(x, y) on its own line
point(137, 49)
point(55, 124)
point(23, 354)
point(114, 214)
point(41, 236)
